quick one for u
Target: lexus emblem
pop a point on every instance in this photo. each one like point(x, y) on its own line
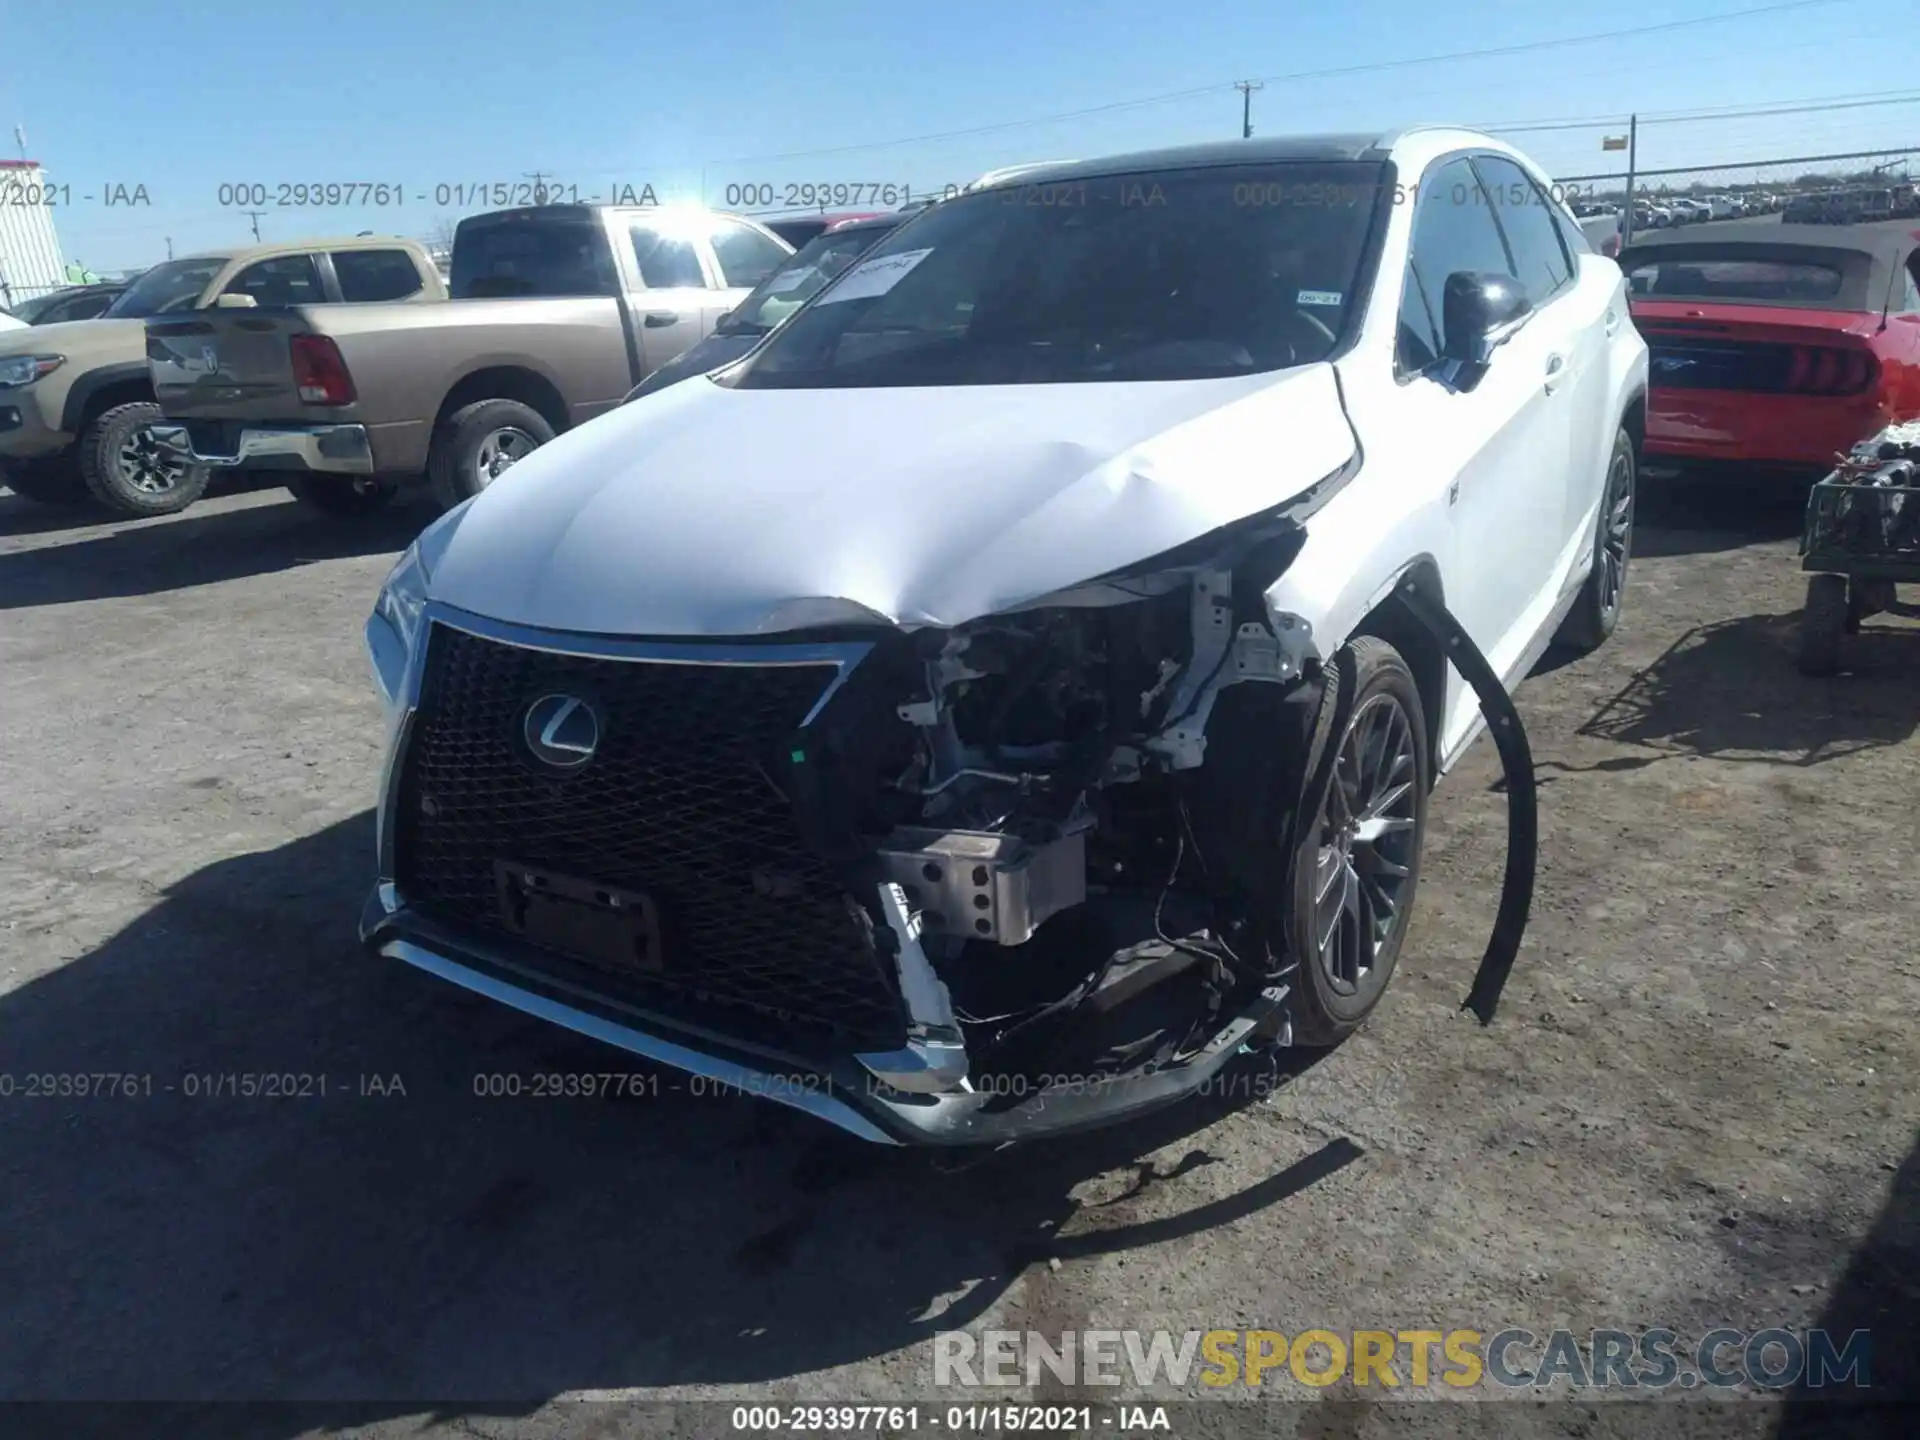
point(561, 731)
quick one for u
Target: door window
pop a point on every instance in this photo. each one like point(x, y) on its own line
point(667, 262)
point(283, 280)
point(746, 256)
point(376, 274)
point(1539, 259)
point(1417, 347)
point(1453, 230)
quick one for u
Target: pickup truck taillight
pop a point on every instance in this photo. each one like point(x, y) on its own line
point(319, 372)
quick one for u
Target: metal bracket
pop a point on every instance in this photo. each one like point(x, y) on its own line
point(1224, 656)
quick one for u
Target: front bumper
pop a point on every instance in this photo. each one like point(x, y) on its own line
point(835, 1089)
point(326, 449)
point(918, 1095)
point(24, 431)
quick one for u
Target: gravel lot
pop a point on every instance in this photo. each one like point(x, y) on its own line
point(1697, 1107)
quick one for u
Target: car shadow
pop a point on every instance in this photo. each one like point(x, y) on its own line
point(404, 1235)
point(1880, 1294)
point(197, 547)
point(1679, 516)
point(1731, 690)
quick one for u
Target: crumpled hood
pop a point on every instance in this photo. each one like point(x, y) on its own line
point(707, 511)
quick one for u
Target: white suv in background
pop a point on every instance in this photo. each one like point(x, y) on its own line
point(1014, 688)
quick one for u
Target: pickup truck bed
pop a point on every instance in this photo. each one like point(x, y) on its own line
point(558, 311)
point(225, 373)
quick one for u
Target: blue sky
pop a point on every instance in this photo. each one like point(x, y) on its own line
point(182, 97)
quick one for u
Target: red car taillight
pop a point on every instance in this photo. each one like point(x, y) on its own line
point(318, 371)
point(1824, 370)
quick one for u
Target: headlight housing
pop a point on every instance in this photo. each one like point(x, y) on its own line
point(18, 370)
point(403, 597)
point(399, 612)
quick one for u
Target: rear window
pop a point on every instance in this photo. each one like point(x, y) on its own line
point(1755, 282)
point(543, 256)
point(375, 274)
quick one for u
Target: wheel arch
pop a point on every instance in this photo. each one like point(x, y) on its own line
point(1633, 419)
point(101, 389)
point(507, 382)
point(1390, 620)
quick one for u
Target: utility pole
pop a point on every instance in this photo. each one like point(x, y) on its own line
point(539, 178)
point(1246, 89)
point(1633, 154)
point(254, 215)
point(169, 247)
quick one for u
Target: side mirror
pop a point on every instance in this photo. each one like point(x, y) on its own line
point(234, 301)
point(1479, 312)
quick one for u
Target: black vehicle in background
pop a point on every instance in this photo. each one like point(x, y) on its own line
point(76, 302)
point(803, 276)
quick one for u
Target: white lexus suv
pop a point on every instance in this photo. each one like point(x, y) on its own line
point(1012, 691)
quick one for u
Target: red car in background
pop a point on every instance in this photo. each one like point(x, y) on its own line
point(1775, 346)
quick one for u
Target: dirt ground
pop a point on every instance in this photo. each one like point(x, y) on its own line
point(1696, 1109)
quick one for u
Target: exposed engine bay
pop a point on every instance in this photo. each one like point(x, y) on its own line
point(1081, 821)
point(1061, 806)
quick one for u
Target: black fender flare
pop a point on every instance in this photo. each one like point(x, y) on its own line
point(1516, 761)
point(96, 380)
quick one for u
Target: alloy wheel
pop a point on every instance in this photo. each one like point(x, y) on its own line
point(498, 452)
point(1368, 837)
point(1616, 533)
point(149, 467)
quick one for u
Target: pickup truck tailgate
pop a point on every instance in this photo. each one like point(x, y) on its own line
point(236, 364)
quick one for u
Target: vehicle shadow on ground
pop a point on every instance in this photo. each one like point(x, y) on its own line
point(1730, 690)
point(198, 547)
point(1680, 517)
point(1879, 1293)
point(401, 1236)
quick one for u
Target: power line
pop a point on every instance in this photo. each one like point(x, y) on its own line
point(1372, 67)
point(1679, 117)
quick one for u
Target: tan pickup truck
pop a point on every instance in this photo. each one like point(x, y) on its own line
point(76, 400)
point(558, 311)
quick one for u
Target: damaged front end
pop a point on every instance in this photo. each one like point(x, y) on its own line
point(1028, 874)
point(1062, 823)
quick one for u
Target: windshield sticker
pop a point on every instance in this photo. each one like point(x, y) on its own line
point(874, 277)
point(793, 279)
point(1318, 297)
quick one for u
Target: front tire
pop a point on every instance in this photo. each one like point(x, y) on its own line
point(1596, 611)
point(125, 470)
point(478, 443)
point(345, 497)
point(46, 479)
point(1358, 864)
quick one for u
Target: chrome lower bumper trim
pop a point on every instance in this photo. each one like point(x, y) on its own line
point(652, 1047)
point(328, 449)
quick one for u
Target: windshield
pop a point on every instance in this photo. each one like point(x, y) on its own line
point(167, 288)
point(1157, 275)
point(800, 279)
